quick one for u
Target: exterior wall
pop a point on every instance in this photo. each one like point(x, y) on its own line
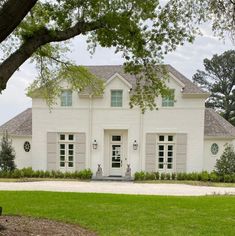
point(95, 117)
point(209, 158)
point(23, 159)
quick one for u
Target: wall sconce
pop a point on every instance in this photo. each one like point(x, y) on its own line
point(135, 145)
point(94, 144)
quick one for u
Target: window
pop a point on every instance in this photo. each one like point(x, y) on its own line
point(66, 151)
point(214, 148)
point(116, 98)
point(168, 101)
point(27, 146)
point(165, 153)
point(66, 98)
point(116, 138)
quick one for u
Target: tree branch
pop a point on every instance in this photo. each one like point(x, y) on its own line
point(40, 38)
point(11, 14)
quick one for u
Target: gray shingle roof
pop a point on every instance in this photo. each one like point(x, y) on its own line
point(217, 126)
point(105, 72)
point(20, 125)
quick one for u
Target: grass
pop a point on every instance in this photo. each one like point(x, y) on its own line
point(110, 214)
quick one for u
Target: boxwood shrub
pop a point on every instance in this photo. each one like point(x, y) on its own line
point(193, 176)
point(85, 174)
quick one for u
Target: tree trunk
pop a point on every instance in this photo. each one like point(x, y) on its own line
point(11, 14)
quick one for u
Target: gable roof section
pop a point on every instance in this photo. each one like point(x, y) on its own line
point(106, 72)
point(116, 75)
point(20, 125)
point(217, 126)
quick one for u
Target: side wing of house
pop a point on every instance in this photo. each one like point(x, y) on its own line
point(19, 130)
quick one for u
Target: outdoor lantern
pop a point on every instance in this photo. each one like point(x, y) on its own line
point(135, 145)
point(94, 144)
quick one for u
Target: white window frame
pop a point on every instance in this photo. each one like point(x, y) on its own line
point(169, 101)
point(116, 102)
point(66, 98)
point(165, 156)
point(66, 154)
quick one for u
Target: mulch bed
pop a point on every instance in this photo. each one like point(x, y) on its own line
point(29, 226)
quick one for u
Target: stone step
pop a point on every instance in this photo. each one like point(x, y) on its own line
point(112, 178)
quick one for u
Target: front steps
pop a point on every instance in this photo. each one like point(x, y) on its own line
point(112, 178)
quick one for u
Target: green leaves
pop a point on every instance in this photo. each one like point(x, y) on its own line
point(219, 79)
point(142, 31)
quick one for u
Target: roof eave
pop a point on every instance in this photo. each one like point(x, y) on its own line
point(195, 95)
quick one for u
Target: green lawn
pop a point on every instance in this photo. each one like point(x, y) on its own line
point(110, 214)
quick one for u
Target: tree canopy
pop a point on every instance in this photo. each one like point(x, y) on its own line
point(219, 79)
point(143, 31)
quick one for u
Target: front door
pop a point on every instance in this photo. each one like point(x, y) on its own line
point(116, 155)
point(165, 158)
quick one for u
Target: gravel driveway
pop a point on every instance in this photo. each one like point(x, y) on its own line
point(116, 187)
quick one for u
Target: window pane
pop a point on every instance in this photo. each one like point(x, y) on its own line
point(116, 138)
point(170, 154)
point(62, 137)
point(66, 98)
point(116, 98)
point(161, 154)
point(170, 138)
point(169, 160)
point(116, 164)
point(160, 166)
point(169, 166)
point(62, 164)
point(170, 147)
point(70, 136)
point(161, 147)
point(168, 101)
point(70, 164)
point(70, 146)
point(161, 138)
point(160, 159)
point(62, 146)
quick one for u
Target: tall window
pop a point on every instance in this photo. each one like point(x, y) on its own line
point(168, 101)
point(165, 156)
point(67, 149)
point(66, 98)
point(116, 98)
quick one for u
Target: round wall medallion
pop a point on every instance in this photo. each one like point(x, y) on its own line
point(214, 148)
point(27, 146)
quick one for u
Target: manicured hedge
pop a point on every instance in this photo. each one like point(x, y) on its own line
point(195, 176)
point(30, 173)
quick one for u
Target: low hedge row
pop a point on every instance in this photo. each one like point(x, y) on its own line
point(196, 176)
point(30, 173)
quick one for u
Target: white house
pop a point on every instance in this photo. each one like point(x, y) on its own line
point(83, 131)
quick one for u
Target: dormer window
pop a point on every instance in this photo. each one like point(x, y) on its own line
point(169, 101)
point(116, 98)
point(66, 98)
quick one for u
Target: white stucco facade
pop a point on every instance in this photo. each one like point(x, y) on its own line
point(97, 119)
point(169, 139)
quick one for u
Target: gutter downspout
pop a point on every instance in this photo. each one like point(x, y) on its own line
point(90, 131)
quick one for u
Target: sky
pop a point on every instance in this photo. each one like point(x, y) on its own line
point(187, 59)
